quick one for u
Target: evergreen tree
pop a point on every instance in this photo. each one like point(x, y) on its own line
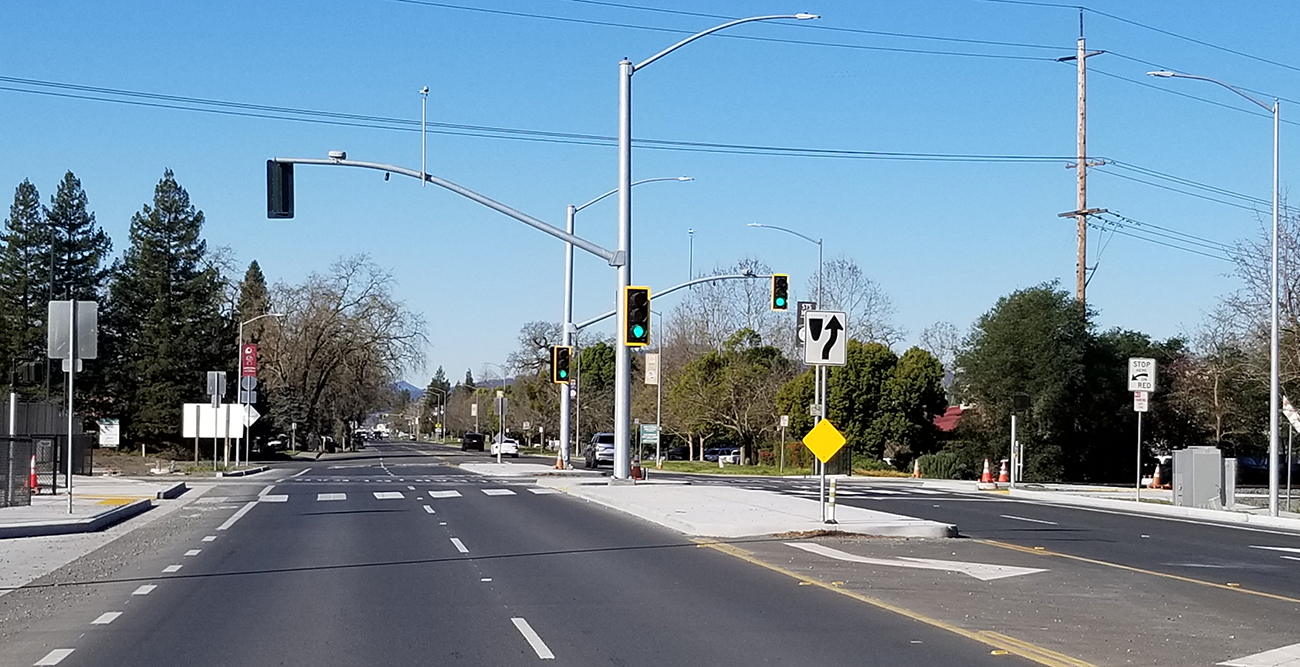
point(253, 301)
point(164, 324)
point(469, 380)
point(80, 245)
point(24, 254)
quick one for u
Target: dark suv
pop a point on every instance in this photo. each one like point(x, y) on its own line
point(472, 441)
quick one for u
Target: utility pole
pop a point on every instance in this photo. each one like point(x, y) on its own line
point(1081, 212)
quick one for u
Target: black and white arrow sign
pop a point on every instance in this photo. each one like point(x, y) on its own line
point(825, 338)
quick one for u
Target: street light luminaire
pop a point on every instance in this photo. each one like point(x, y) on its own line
point(1162, 73)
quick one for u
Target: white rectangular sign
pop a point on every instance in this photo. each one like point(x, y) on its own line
point(826, 339)
point(1141, 401)
point(785, 421)
point(201, 420)
point(1141, 374)
point(652, 368)
point(110, 433)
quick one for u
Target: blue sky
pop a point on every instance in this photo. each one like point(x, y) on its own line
point(943, 238)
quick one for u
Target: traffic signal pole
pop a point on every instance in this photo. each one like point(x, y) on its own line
point(566, 337)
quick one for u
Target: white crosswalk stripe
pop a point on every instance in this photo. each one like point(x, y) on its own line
point(389, 495)
point(444, 494)
point(498, 492)
point(331, 496)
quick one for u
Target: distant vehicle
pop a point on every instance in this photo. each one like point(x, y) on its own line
point(510, 447)
point(472, 441)
point(599, 450)
point(727, 454)
point(678, 453)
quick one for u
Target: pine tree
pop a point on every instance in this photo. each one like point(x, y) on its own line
point(24, 281)
point(253, 301)
point(164, 322)
point(80, 245)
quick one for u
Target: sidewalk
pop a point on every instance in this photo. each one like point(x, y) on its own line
point(97, 502)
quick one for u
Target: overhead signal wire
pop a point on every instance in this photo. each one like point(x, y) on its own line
point(1162, 236)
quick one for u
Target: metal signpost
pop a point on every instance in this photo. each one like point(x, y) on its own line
point(825, 343)
point(785, 422)
point(824, 441)
point(1142, 382)
point(216, 389)
point(72, 335)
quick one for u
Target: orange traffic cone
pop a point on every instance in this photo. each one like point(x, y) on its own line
point(33, 483)
point(916, 468)
point(1155, 478)
point(559, 461)
point(1003, 475)
point(986, 477)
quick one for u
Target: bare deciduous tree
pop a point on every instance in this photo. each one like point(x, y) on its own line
point(846, 288)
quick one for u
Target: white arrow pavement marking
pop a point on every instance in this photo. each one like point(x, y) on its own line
point(981, 571)
point(1293, 550)
point(1287, 656)
point(533, 639)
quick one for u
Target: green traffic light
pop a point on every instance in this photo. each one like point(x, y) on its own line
point(564, 373)
point(780, 301)
point(638, 331)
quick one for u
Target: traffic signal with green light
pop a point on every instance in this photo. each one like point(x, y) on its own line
point(636, 316)
point(560, 355)
point(780, 291)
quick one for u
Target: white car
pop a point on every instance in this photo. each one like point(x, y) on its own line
point(510, 447)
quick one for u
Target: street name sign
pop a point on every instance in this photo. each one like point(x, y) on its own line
point(824, 440)
point(826, 341)
point(1141, 374)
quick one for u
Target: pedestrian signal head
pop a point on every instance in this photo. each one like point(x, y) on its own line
point(636, 316)
point(780, 291)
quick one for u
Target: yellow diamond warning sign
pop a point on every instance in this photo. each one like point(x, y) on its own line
point(824, 440)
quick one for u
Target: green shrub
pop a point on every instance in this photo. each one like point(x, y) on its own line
point(943, 465)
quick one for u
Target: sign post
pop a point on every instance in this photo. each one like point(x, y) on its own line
point(825, 343)
point(72, 334)
point(824, 441)
point(785, 421)
point(1142, 382)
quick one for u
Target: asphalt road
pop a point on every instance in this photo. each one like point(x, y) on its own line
point(392, 557)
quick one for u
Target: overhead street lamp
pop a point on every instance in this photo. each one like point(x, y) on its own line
point(239, 347)
point(566, 427)
point(622, 355)
point(817, 242)
point(443, 395)
point(1273, 371)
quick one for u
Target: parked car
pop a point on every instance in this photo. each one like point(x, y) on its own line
point(472, 441)
point(599, 450)
point(678, 453)
point(727, 454)
point(509, 447)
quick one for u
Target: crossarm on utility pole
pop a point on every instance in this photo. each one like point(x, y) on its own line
point(614, 258)
point(707, 279)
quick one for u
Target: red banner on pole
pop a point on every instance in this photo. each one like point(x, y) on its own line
point(248, 360)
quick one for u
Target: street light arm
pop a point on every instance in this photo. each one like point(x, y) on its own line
point(714, 29)
point(647, 180)
point(1166, 74)
point(811, 240)
point(260, 317)
point(614, 259)
point(670, 290)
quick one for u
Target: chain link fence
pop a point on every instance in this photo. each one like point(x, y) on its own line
point(15, 471)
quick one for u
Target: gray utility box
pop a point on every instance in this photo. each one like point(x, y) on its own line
point(1199, 476)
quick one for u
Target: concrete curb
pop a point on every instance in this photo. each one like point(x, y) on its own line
point(174, 491)
point(89, 524)
point(1222, 516)
point(244, 473)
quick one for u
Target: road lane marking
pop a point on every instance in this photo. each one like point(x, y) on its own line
point(543, 491)
point(410, 488)
point(981, 571)
point(486, 579)
point(266, 490)
point(498, 492)
point(144, 590)
point(300, 473)
point(533, 639)
point(460, 546)
point(1292, 550)
point(927, 492)
point(428, 509)
point(106, 618)
point(275, 498)
point(444, 494)
point(54, 657)
point(389, 495)
point(210, 538)
point(193, 552)
point(1039, 655)
point(1024, 518)
point(1278, 657)
point(171, 568)
point(331, 496)
point(239, 514)
point(1128, 568)
point(1291, 558)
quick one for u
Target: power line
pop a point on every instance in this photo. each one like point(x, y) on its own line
point(1121, 227)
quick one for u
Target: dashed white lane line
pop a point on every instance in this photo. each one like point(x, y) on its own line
point(331, 496)
point(1021, 518)
point(533, 639)
point(274, 498)
point(486, 579)
point(210, 538)
point(410, 488)
point(266, 490)
point(239, 514)
point(543, 491)
point(106, 618)
point(428, 509)
point(300, 473)
point(1291, 558)
point(144, 590)
point(193, 552)
point(498, 492)
point(389, 495)
point(444, 494)
point(171, 568)
point(460, 546)
point(54, 657)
